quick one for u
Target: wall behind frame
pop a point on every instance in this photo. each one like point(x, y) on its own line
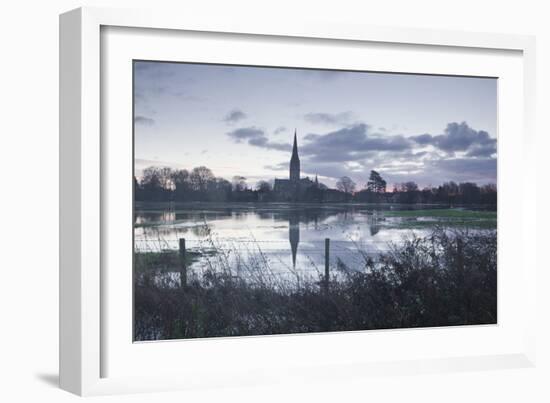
point(29, 155)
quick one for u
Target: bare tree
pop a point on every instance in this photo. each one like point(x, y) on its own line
point(409, 187)
point(165, 174)
point(151, 178)
point(181, 182)
point(345, 184)
point(199, 177)
point(154, 184)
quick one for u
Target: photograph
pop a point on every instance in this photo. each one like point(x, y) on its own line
point(278, 200)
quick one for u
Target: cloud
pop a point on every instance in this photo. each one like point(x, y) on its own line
point(459, 137)
point(256, 137)
point(279, 130)
point(143, 121)
point(482, 150)
point(460, 154)
point(350, 143)
point(281, 166)
point(328, 118)
point(331, 170)
point(466, 168)
point(438, 171)
point(234, 116)
point(245, 133)
point(423, 139)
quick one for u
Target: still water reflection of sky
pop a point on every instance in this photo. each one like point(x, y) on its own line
point(287, 237)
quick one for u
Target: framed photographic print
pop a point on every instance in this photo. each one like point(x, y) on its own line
point(266, 201)
point(245, 230)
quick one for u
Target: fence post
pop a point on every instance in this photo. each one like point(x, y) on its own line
point(327, 259)
point(183, 263)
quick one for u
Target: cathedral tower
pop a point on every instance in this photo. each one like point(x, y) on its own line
point(295, 163)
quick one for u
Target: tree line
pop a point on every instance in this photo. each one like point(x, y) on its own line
point(197, 184)
point(375, 191)
point(200, 184)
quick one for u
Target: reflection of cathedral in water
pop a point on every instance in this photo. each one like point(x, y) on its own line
point(317, 223)
point(294, 234)
point(373, 223)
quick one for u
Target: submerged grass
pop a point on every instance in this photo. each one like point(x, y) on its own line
point(165, 260)
point(446, 278)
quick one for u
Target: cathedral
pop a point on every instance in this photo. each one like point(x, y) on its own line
point(294, 188)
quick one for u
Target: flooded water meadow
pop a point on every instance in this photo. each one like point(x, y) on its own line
point(288, 238)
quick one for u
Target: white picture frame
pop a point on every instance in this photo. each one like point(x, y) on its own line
point(83, 173)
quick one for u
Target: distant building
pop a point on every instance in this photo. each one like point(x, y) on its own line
point(294, 188)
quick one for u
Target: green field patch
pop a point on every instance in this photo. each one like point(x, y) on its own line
point(443, 213)
point(413, 224)
point(444, 217)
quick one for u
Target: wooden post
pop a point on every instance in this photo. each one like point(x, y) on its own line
point(183, 263)
point(327, 259)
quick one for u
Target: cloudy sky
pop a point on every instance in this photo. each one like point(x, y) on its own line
point(240, 121)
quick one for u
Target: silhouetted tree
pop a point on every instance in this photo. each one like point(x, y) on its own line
point(427, 195)
point(409, 187)
point(181, 181)
point(488, 194)
point(447, 193)
point(200, 177)
point(219, 190)
point(165, 177)
point(345, 184)
point(376, 183)
point(469, 193)
point(408, 192)
point(263, 187)
point(200, 184)
point(152, 184)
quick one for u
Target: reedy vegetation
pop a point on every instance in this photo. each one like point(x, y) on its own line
point(447, 278)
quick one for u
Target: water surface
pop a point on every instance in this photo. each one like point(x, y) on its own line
point(289, 238)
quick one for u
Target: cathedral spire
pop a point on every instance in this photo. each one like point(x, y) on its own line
point(295, 146)
point(295, 162)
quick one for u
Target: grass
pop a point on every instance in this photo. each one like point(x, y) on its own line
point(456, 218)
point(446, 278)
point(456, 224)
point(444, 213)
